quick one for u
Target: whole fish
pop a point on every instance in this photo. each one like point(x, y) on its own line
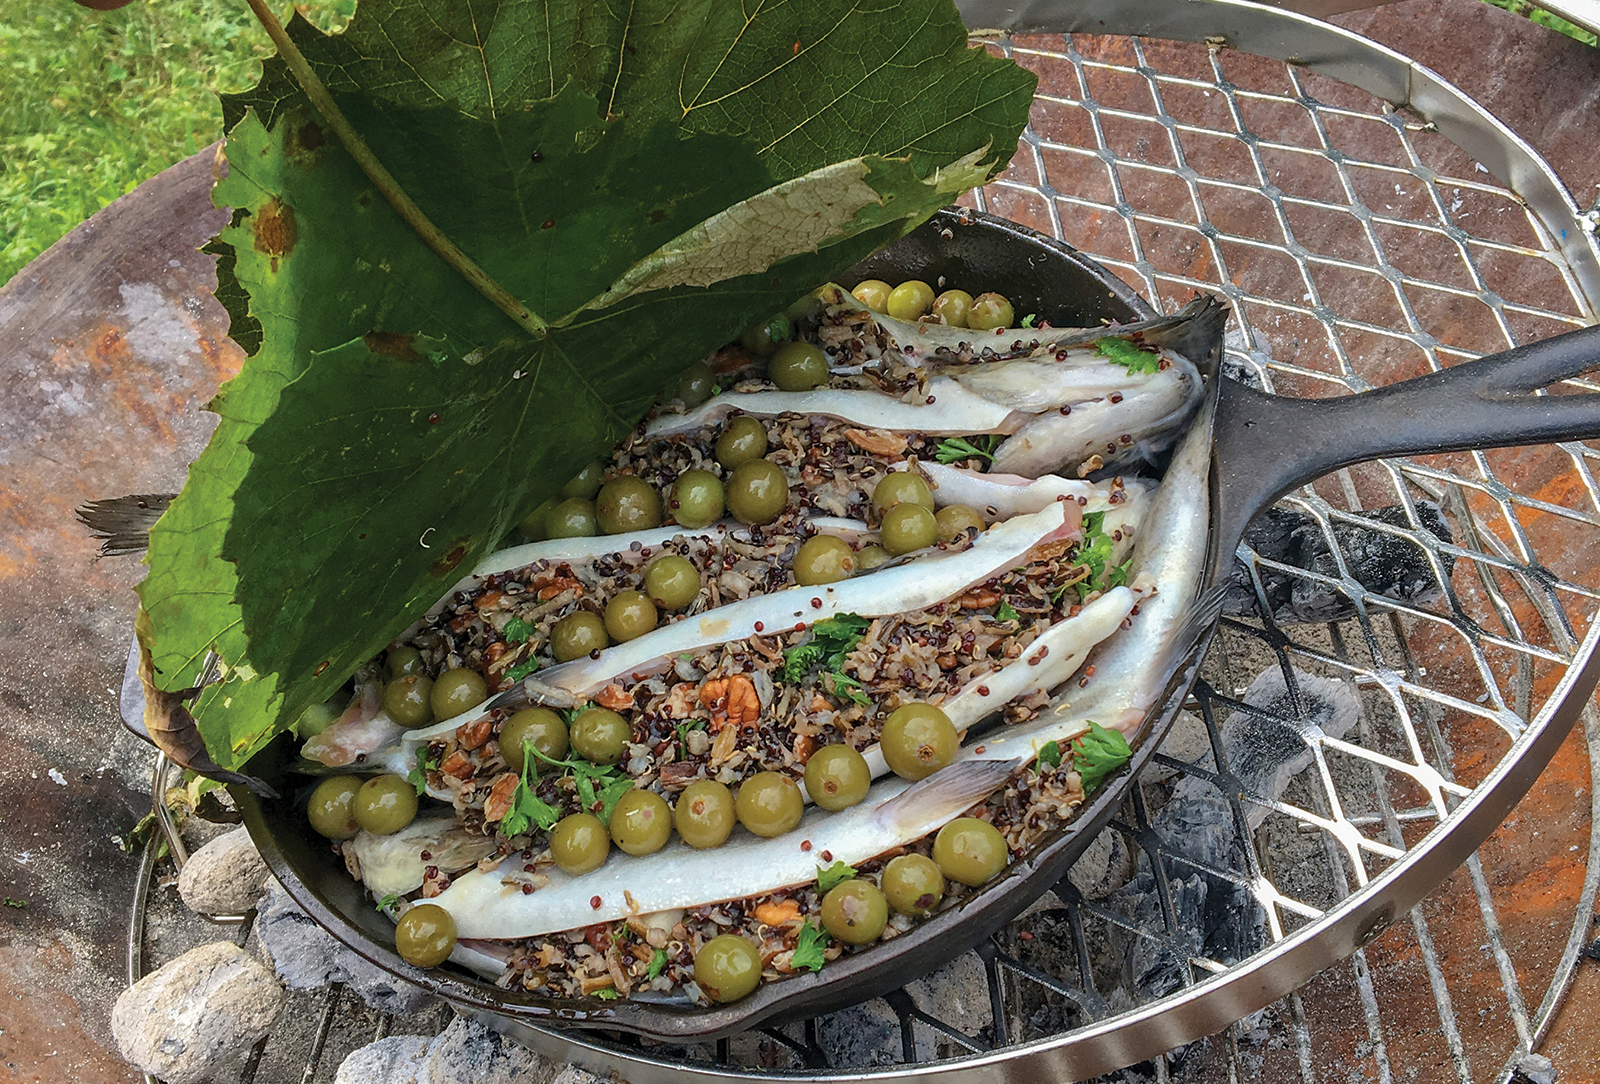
point(929, 579)
point(1064, 406)
point(1131, 671)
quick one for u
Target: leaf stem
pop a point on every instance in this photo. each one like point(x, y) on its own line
point(385, 183)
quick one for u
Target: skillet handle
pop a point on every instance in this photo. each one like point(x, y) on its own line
point(1266, 445)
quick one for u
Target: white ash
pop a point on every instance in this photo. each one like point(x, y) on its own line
point(306, 956)
point(466, 1052)
point(225, 877)
point(193, 1018)
point(869, 1033)
point(1218, 918)
point(396, 1059)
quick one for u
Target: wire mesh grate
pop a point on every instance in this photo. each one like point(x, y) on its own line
point(1358, 246)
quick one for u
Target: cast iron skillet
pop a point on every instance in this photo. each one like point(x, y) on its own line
point(1263, 446)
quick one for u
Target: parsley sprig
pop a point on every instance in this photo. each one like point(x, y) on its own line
point(1050, 754)
point(520, 671)
point(527, 808)
point(1098, 754)
point(517, 631)
point(1094, 553)
point(658, 964)
point(1130, 357)
point(808, 949)
point(952, 449)
point(836, 874)
point(594, 783)
point(418, 776)
point(832, 640)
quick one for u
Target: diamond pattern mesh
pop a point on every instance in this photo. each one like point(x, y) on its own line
point(1358, 247)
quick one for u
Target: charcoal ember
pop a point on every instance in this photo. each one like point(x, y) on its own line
point(1217, 917)
point(468, 1052)
point(1383, 563)
point(305, 956)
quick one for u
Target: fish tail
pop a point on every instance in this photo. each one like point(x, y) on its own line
point(946, 794)
point(1195, 333)
point(122, 524)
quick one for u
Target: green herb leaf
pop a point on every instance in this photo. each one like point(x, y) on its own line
point(517, 631)
point(418, 776)
point(836, 874)
point(392, 423)
point(1050, 754)
point(387, 902)
point(953, 449)
point(1130, 357)
point(520, 671)
point(1030, 319)
point(683, 729)
point(658, 964)
point(808, 948)
point(832, 640)
point(1006, 612)
point(527, 808)
point(607, 994)
point(11, 901)
point(1098, 754)
point(1094, 552)
point(842, 684)
point(609, 796)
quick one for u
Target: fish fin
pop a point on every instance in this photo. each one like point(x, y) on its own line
point(1193, 332)
point(946, 793)
point(122, 524)
point(529, 691)
point(171, 729)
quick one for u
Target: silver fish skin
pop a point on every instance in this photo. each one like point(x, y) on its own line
point(1133, 668)
point(929, 579)
point(1131, 671)
point(747, 865)
point(1103, 430)
point(999, 496)
point(1110, 412)
point(577, 550)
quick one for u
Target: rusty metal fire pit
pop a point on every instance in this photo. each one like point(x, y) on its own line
point(1218, 145)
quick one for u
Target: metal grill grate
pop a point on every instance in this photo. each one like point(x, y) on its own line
point(1358, 246)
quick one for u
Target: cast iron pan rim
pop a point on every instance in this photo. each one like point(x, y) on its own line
point(878, 971)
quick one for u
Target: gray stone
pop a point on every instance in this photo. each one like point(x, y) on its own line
point(572, 1074)
point(306, 956)
point(1536, 1069)
point(225, 877)
point(396, 1059)
point(468, 1052)
point(194, 1017)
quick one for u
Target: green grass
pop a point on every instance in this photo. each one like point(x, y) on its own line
point(1544, 18)
point(92, 103)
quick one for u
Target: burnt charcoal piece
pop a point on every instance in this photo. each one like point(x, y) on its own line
point(1383, 563)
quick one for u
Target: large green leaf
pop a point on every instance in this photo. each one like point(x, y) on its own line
point(647, 179)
